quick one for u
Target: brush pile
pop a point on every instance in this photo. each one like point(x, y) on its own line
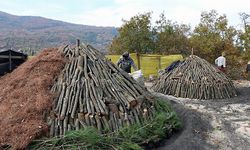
point(92, 91)
point(195, 78)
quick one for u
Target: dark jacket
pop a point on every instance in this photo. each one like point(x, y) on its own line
point(125, 64)
point(173, 65)
point(248, 68)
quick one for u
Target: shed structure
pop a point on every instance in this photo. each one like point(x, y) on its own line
point(10, 59)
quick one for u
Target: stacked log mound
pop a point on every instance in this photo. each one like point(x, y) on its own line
point(92, 91)
point(195, 78)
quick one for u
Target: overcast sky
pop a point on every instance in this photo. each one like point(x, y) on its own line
point(111, 12)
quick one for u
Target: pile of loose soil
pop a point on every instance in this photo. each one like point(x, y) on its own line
point(25, 96)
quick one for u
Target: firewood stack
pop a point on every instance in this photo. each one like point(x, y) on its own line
point(195, 78)
point(92, 91)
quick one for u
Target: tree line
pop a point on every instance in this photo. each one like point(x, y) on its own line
point(212, 36)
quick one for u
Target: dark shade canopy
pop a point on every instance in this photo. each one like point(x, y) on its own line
point(10, 59)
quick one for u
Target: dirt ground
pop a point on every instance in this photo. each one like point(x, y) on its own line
point(222, 124)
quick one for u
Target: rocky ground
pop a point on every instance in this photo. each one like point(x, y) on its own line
point(212, 124)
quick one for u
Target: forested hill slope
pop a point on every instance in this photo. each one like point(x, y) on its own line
point(35, 33)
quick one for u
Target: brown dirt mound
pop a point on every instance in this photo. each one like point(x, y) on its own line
point(25, 96)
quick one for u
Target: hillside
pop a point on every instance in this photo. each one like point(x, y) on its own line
point(35, 33)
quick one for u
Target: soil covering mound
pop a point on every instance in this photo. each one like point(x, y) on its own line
point(197, 79)
point(24, 98)
point(92, 91)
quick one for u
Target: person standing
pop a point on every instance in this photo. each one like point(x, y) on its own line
point(221, 62)
point(248, 67)
point(248, 73)
point(125, 62)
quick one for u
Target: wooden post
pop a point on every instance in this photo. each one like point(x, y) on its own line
point(159, 62)
point(77, 42)
point(138, 60)
point(10, 61)
point(30, 53)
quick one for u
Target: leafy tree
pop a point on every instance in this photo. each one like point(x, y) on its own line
point(138, 35)
point(213, 36)
point(244, 36)
point(171, 37)
point(135, 35)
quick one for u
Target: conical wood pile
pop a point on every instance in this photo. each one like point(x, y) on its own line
point(197, 79)
point(92, 91)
